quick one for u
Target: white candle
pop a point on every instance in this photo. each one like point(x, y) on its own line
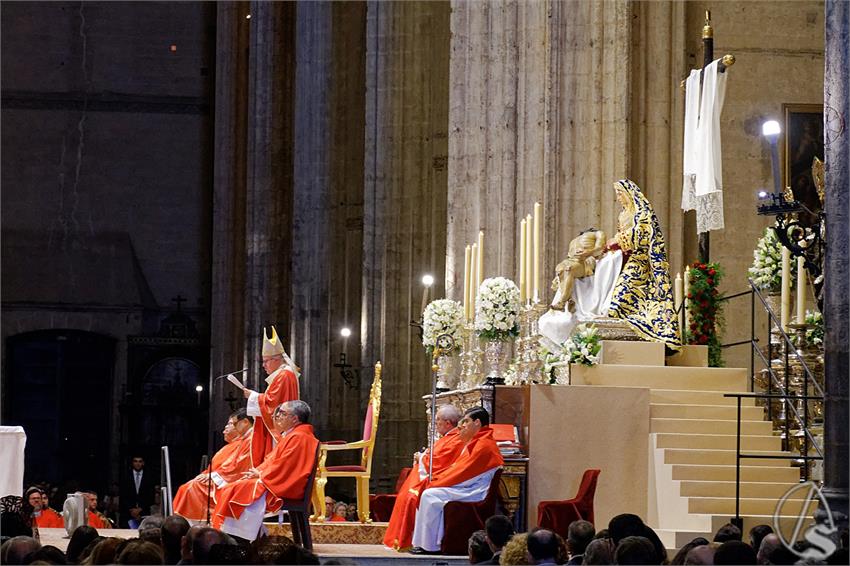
point(473, 281)
point(467, 263)
point(801, 290)
point(480, 274)
point(785, 294)
point(686, 316)
point(677, 299)
point(529, 257)
point(538, 210)
point(522, 290)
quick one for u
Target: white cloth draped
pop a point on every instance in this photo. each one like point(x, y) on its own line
point(429, 528)
point(592, 297)
point(248, 525)
point(13, 441)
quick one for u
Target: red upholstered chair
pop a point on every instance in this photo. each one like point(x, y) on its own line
point(461, 519)
point(362, 471)
point(381, 504)
point(557, 515)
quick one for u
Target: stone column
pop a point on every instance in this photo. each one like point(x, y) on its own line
point(227, 326)
point(271, 76)
point(539, 111)
point(836, 314)
point(404, 209)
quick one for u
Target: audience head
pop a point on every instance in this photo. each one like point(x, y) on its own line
point(758, 533)
point(599, 551)
point(340, 508)
point(635, 550)
point(104, 551)
point(33, 497)
point(80, 539)
point(17, 548)
point(150, 523)
point(579, 535)
point(627, 525)
point(329, 505)
point(683, 552)
point(515, 551)
point(478, 549)
point(174, 528)
point(203, 543)
point(542, 546)
point(230, 554)
point(735, 552)
point(47, 555)
point(137, 462)
point(703, 554)
point(188, 541)
point(87, 551)
point(274, 550)
point(140, 552)
point(769, 543)
point(728, 532)
point(473, 420)
point(499, 530)
point(446, 418)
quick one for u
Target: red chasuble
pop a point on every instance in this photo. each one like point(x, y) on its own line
point(229, 462)
point(283, 476)
point(96, 521)
point(49, 519)
point(283, 388)
point(480, 454)
point(446, 451)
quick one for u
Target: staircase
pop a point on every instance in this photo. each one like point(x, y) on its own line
point(692, 457)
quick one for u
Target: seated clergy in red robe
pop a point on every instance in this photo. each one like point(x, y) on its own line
point(282, 476)
point(43, 515)
point(282, 387)
point(227, 465)
point(417, 518)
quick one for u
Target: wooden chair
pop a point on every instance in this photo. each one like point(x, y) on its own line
point(298, 512)
point(362, 472)
point(557, 515)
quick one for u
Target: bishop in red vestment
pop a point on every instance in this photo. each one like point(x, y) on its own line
point(283, 386)
point(417, 517)
point(227, 465)
point(282, 476)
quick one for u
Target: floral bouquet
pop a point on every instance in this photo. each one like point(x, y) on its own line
point(443, 316)
point(766, 270)
point(582, 348)
point(497, 309)
point(814, 329)
point(705, 307)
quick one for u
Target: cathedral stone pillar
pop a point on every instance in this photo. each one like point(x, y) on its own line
point(539, 111)
point(404, 209)
point(229, 192)
point(836, 304)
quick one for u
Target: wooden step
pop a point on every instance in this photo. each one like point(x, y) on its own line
point(666, 377)
point(694, 397)
point(775, 473)
point(749, 506)
point(721, 457)
point(694, 411)
point(759, 490)
point(707, 426)
point(717, 441)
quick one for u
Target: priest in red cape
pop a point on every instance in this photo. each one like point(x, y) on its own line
point(227, 465)
point(283, 386)
point(417, 518)
point(43, 515)
point(282, 476)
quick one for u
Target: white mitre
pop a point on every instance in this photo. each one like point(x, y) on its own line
point(272, 346)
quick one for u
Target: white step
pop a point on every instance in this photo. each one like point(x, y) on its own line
point(689, 356)
point(760, 490)
point(722, 457)
point(707, 426)
point(766, 473)
point(637, 353)
point(700, 411)
point(749, 506)
point(696, 397)
point(717, 441)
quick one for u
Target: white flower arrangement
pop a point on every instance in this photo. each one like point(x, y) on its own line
point(582, 348)
point(814, 329)
point(497, 309)
point(442, 316)
point(766, 270)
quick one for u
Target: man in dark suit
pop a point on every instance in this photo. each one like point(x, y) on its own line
point(137, 495)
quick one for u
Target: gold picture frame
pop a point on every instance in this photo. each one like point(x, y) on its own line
point(803, 141)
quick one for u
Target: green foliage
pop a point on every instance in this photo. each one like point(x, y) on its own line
point(705, 308)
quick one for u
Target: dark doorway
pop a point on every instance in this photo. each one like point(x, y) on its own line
point(59, 388)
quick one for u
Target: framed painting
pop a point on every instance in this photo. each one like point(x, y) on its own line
point(803, 142)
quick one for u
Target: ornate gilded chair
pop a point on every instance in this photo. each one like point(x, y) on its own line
point(362, 472)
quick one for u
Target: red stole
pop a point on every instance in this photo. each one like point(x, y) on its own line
point(283, 476)
point(283, 388)
point(49, 519)
point(480, 454)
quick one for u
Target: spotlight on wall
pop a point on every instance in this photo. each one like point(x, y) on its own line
point(345, 332)
point(762, 194)
point(770, 129)
point(427, 279)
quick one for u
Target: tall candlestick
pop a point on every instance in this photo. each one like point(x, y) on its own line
point(529, 257)
point(537, 219)
point(473, 281)
point(785, 294)
point(677, 300)
point(522, 290)
point(468, 264)
point(801, 290)
point(480, 274)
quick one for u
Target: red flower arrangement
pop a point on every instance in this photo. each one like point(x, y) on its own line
point(705, 308)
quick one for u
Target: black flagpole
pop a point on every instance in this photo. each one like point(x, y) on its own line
point(707, 58)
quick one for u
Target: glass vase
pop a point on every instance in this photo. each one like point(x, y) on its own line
point(446, 375)
point(496, 353)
